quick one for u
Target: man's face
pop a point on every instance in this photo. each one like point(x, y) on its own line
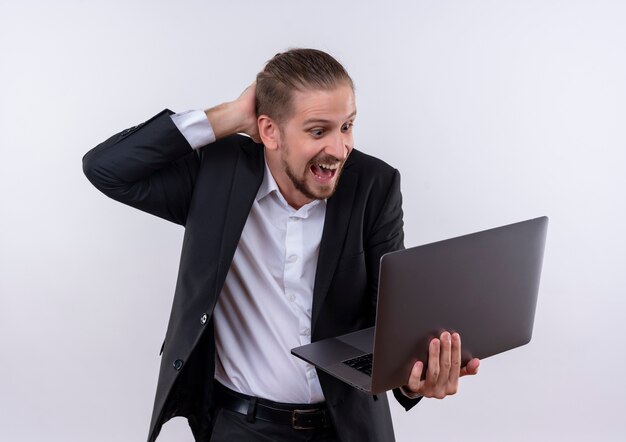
point(313, 144)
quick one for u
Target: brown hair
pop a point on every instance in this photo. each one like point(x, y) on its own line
point(296, 69)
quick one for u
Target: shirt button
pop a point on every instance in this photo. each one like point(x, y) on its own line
point(203, 319)
point(178, 364)
point(306, 332)
point(292, 258)
point(291, 297)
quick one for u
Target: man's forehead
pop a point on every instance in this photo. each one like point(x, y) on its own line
point(324, 104)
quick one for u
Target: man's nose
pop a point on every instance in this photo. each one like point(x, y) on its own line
point(339, 146)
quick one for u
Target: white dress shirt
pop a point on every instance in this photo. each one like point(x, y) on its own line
point(264, 309)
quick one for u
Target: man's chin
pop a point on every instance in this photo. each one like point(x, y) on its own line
point(323, 192)
point(316, 192)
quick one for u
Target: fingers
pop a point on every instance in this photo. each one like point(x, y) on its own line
point(445, 361)
point(444, 367)
point(250, 90)
point(471, 368)
point(435, 384)
point(245, 113)
point(415, 379)
point(432, 372)
point(455, 364)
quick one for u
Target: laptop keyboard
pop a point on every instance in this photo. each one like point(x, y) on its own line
point(361, 363)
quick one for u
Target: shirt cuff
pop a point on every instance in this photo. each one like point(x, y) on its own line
point(409, 394)
point(195, 127)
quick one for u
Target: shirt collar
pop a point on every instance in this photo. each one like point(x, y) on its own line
point(268, 185)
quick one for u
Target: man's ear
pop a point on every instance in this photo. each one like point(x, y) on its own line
point(268, 131)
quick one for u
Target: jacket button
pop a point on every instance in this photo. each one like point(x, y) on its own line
point(178, 364)
point(203, 319)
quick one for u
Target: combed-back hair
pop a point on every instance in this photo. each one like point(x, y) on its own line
point(296, 69)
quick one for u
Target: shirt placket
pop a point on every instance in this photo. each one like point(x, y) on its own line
point(294, 284)
point(293, 262)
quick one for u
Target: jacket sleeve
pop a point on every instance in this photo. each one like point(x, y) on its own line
point(150, 167)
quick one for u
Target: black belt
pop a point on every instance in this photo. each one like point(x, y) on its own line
point(297, 416)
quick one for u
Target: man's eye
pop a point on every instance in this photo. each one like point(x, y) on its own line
point(317, 132)
point(346, 127)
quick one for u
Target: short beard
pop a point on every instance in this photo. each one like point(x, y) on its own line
point(301, 185)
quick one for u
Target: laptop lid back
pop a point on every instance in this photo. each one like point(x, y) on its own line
point(483, 285)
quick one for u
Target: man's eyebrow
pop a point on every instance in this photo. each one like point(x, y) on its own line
point(325, 121)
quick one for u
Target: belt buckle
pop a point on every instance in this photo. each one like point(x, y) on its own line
point(299, 426)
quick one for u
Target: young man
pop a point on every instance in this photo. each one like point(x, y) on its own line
point(284, 230)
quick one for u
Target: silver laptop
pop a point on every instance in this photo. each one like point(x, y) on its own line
point(483, 286)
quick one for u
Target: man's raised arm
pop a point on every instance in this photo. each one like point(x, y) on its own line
point(153, 166)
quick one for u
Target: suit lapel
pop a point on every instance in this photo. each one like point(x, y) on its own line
point(338, 210)
point(246, 181)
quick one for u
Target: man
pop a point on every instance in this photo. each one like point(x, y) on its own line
point(284, 230)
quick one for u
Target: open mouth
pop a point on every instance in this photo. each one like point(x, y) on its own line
point(324, 172)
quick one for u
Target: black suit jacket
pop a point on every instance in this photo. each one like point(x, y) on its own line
point(210, 192)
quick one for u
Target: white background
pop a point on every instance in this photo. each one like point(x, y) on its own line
point(494, 111)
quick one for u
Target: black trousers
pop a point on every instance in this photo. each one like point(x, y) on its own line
point(231, 426)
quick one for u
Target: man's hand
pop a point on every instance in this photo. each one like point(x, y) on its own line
point(444, 369)
point(238, 116)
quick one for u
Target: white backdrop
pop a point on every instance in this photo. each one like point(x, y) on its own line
point(494, 111)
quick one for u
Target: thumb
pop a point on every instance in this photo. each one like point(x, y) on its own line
point(416, 376)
